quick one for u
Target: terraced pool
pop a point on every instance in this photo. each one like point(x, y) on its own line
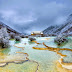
point(21, 57)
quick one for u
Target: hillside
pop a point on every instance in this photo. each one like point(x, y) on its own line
point(9, 30)
point(60, 29)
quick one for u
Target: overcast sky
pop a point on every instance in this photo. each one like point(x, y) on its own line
point(34, 15)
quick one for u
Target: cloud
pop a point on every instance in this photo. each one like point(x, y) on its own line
point(7, 14)
point(29, 15)
point(24, 19)
point(14, 17)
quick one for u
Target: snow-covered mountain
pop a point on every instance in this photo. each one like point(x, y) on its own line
point(9, 29)
point(60, 29)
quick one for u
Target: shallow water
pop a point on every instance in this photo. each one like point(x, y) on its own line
point(38, 60)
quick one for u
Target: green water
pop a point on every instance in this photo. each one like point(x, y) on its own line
point(44, 58)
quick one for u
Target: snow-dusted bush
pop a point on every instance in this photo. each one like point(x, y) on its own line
point(4, 38)
point(17, 38)
point(4, 43)
point(22, 36)
point(32, 38)
point(26, 36)
point(12, 35)
point(61, 38)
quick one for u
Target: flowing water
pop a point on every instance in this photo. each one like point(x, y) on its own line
point(21, 57)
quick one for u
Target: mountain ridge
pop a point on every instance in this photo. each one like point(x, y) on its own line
point(60, 29)
point(9, 29)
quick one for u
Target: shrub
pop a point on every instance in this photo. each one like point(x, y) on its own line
point(17, 38)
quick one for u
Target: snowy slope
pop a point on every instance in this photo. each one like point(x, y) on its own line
point(9, 30)
point(64, 28)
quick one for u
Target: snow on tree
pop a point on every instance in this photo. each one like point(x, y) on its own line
point(4, 37)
